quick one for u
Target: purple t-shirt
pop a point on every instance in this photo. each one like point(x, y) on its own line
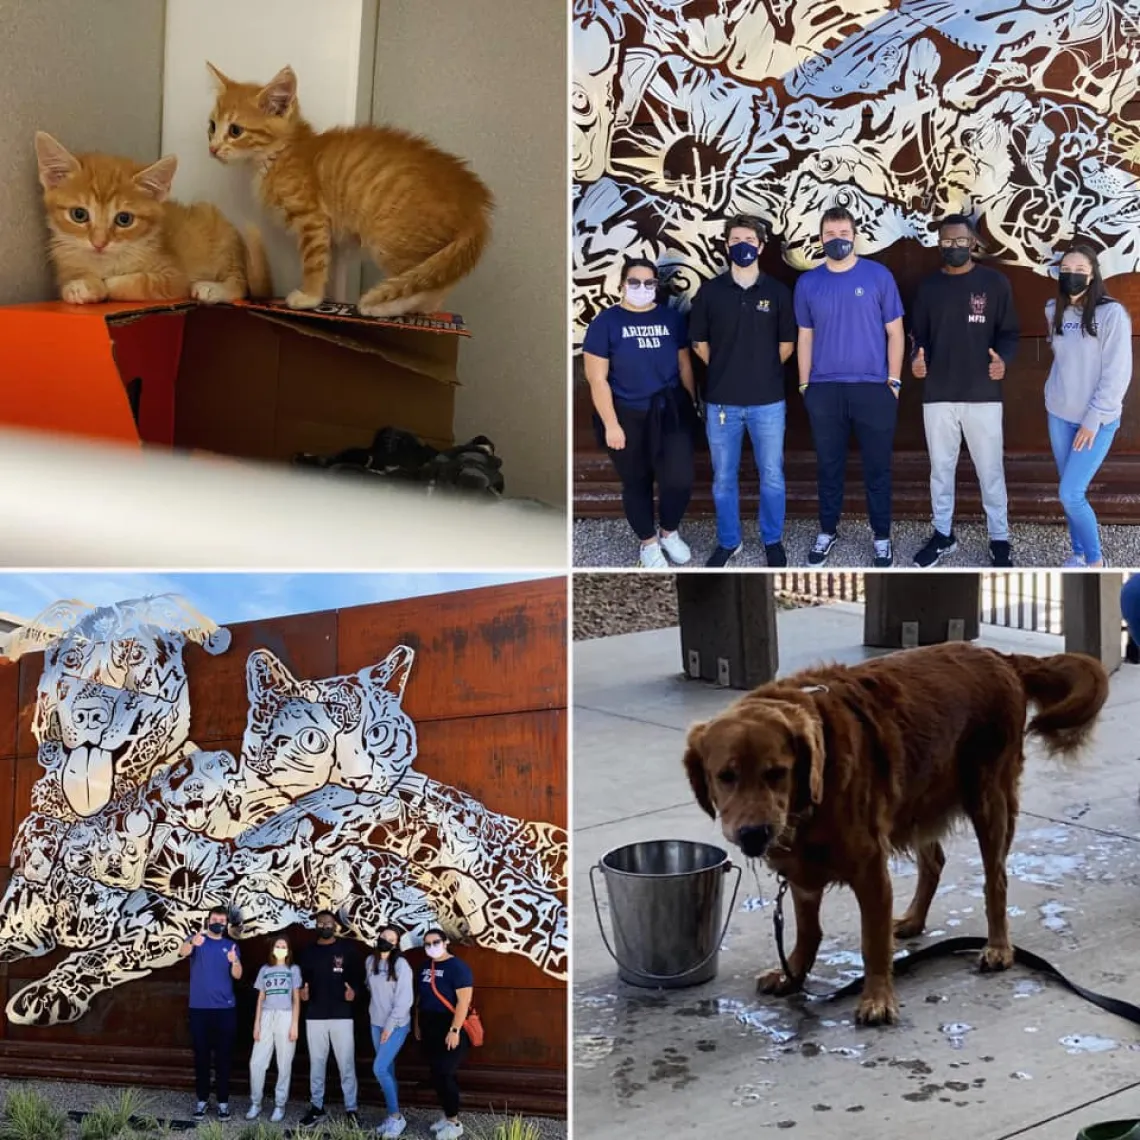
point(211, 983)
point(847, 313)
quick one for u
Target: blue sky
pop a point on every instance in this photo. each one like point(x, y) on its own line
point(235, 597)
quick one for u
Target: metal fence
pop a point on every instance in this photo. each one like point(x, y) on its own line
point(1015, 599)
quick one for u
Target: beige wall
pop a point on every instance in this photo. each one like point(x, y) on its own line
point(90, 73)
point(486, 79)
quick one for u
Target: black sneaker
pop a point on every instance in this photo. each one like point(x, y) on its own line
point(884, 553)
point(1132, 652)
point(999, 554)
point(223, 1111)
point(200, 1110)
point(315, 1115)
point(723, 555)
point(775, 554)
point(936, 548)
point(817, 556)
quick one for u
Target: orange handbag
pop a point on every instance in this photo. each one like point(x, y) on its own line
point(473, 1026)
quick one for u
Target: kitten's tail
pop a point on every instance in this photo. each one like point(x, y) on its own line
point(441, 270)
point(257, 265)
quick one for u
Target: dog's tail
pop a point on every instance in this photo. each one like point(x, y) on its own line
point(257, 265)
point(1069, 690)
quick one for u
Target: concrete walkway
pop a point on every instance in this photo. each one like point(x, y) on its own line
point(974, 1058)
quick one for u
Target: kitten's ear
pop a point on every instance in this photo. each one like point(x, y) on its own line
point(264, 675)
point(392, 672)
point(55, 160)
point(156, 179)
point(220, 78)
point(277, 96)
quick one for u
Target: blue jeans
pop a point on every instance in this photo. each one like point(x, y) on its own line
point(1077, 470)
point(384, 1067)
point(1130, 606)
point(765, 426)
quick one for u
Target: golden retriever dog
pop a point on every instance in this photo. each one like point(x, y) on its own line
point(828, 773)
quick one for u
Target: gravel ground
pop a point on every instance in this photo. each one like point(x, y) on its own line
point(177, 1105)
point(610, 542)
point(609, 604)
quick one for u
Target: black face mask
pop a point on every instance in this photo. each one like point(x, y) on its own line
point(217, 928)
point(325, 931)
point(955, 256)
point(1073, 284)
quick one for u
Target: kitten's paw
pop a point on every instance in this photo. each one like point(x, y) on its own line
point(83, 292)
point(213, 293)
point(41, 1004)
point(299, 299)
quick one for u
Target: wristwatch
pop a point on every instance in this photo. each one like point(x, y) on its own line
point(453, 1030)
point(894, 383)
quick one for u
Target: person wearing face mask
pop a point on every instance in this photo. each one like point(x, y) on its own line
point(390, 1016)
point(215, 965)
point(275, 1026)
point(332, 977)
point(743, 327)
point(965, 334)
point(1091, 338)
point(636, 356)
point(850, 351)
point(445, 993)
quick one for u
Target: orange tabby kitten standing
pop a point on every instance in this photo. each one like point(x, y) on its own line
point(422, 214)
point(116, 235)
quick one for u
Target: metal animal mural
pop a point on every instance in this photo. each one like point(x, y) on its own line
point(684, 111)
point(135, 832)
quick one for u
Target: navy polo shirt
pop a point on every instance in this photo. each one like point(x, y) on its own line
point(642, 349)
point(744, 329)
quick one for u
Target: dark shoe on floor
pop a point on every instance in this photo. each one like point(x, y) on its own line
point(775, 554)
point(937, 547)
point(223, 1112)
point(472, 466)
point(1132, 652)
point(817, 556)
point(723, 555)
point(1000, 554)
point(314, 1116)
point(200, 1110)
point(1111, 1130)
point(884, 553)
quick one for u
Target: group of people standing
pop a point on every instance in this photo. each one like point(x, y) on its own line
point(845, 324)
point(325, 983)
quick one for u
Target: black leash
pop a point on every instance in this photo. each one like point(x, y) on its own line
point(945, 948)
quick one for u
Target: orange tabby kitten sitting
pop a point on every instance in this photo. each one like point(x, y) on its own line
point(422, 214)
point(116, 235)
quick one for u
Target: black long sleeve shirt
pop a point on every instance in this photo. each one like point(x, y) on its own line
point(957, 318)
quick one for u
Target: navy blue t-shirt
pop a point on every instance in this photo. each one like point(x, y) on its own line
point(450, 975)
point(847, 313)
point(641, 348)
point(211, 983)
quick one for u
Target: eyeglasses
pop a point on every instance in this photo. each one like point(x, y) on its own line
point(430, 944)
point(641, 281)
point(959, 243)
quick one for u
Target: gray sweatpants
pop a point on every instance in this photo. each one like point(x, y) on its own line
point(273, 1038)
point(339, 1035)
point(981, 425)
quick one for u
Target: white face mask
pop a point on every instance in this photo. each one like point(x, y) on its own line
point(280, 953)
point(641, 294)
point(434, 951)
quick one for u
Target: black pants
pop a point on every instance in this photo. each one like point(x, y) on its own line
point(658, 449)
point(213, 1032)
point(872, 409)
point(444, 1062)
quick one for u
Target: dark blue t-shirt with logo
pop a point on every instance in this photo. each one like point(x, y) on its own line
point(641, 348)
point(450, 975)
point(211, 983)
point(847, 313)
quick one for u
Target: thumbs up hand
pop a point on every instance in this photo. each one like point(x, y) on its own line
point(997, 366)
point(349, 992)
point(231, 957)
point(918, 365)
point(198, 939)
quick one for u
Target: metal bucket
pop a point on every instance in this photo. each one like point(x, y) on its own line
point(665, 907)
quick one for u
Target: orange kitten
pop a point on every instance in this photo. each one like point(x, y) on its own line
point(116, 235)
point(422, 214)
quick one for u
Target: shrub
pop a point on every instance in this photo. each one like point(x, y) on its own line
point(29, 1115)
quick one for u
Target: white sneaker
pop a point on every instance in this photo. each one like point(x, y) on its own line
point(651, 557)
point(278, 1114)
point(440, 1123)
point(1074, 562)
point(676, 547)
point(254, 1112)
point(391, 1128)
point(450, 1131)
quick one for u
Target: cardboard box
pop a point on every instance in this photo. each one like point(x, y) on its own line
point(253, 380)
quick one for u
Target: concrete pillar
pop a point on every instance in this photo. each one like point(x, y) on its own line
point(728, 628)
point(920, 608)
point(1090, 610)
